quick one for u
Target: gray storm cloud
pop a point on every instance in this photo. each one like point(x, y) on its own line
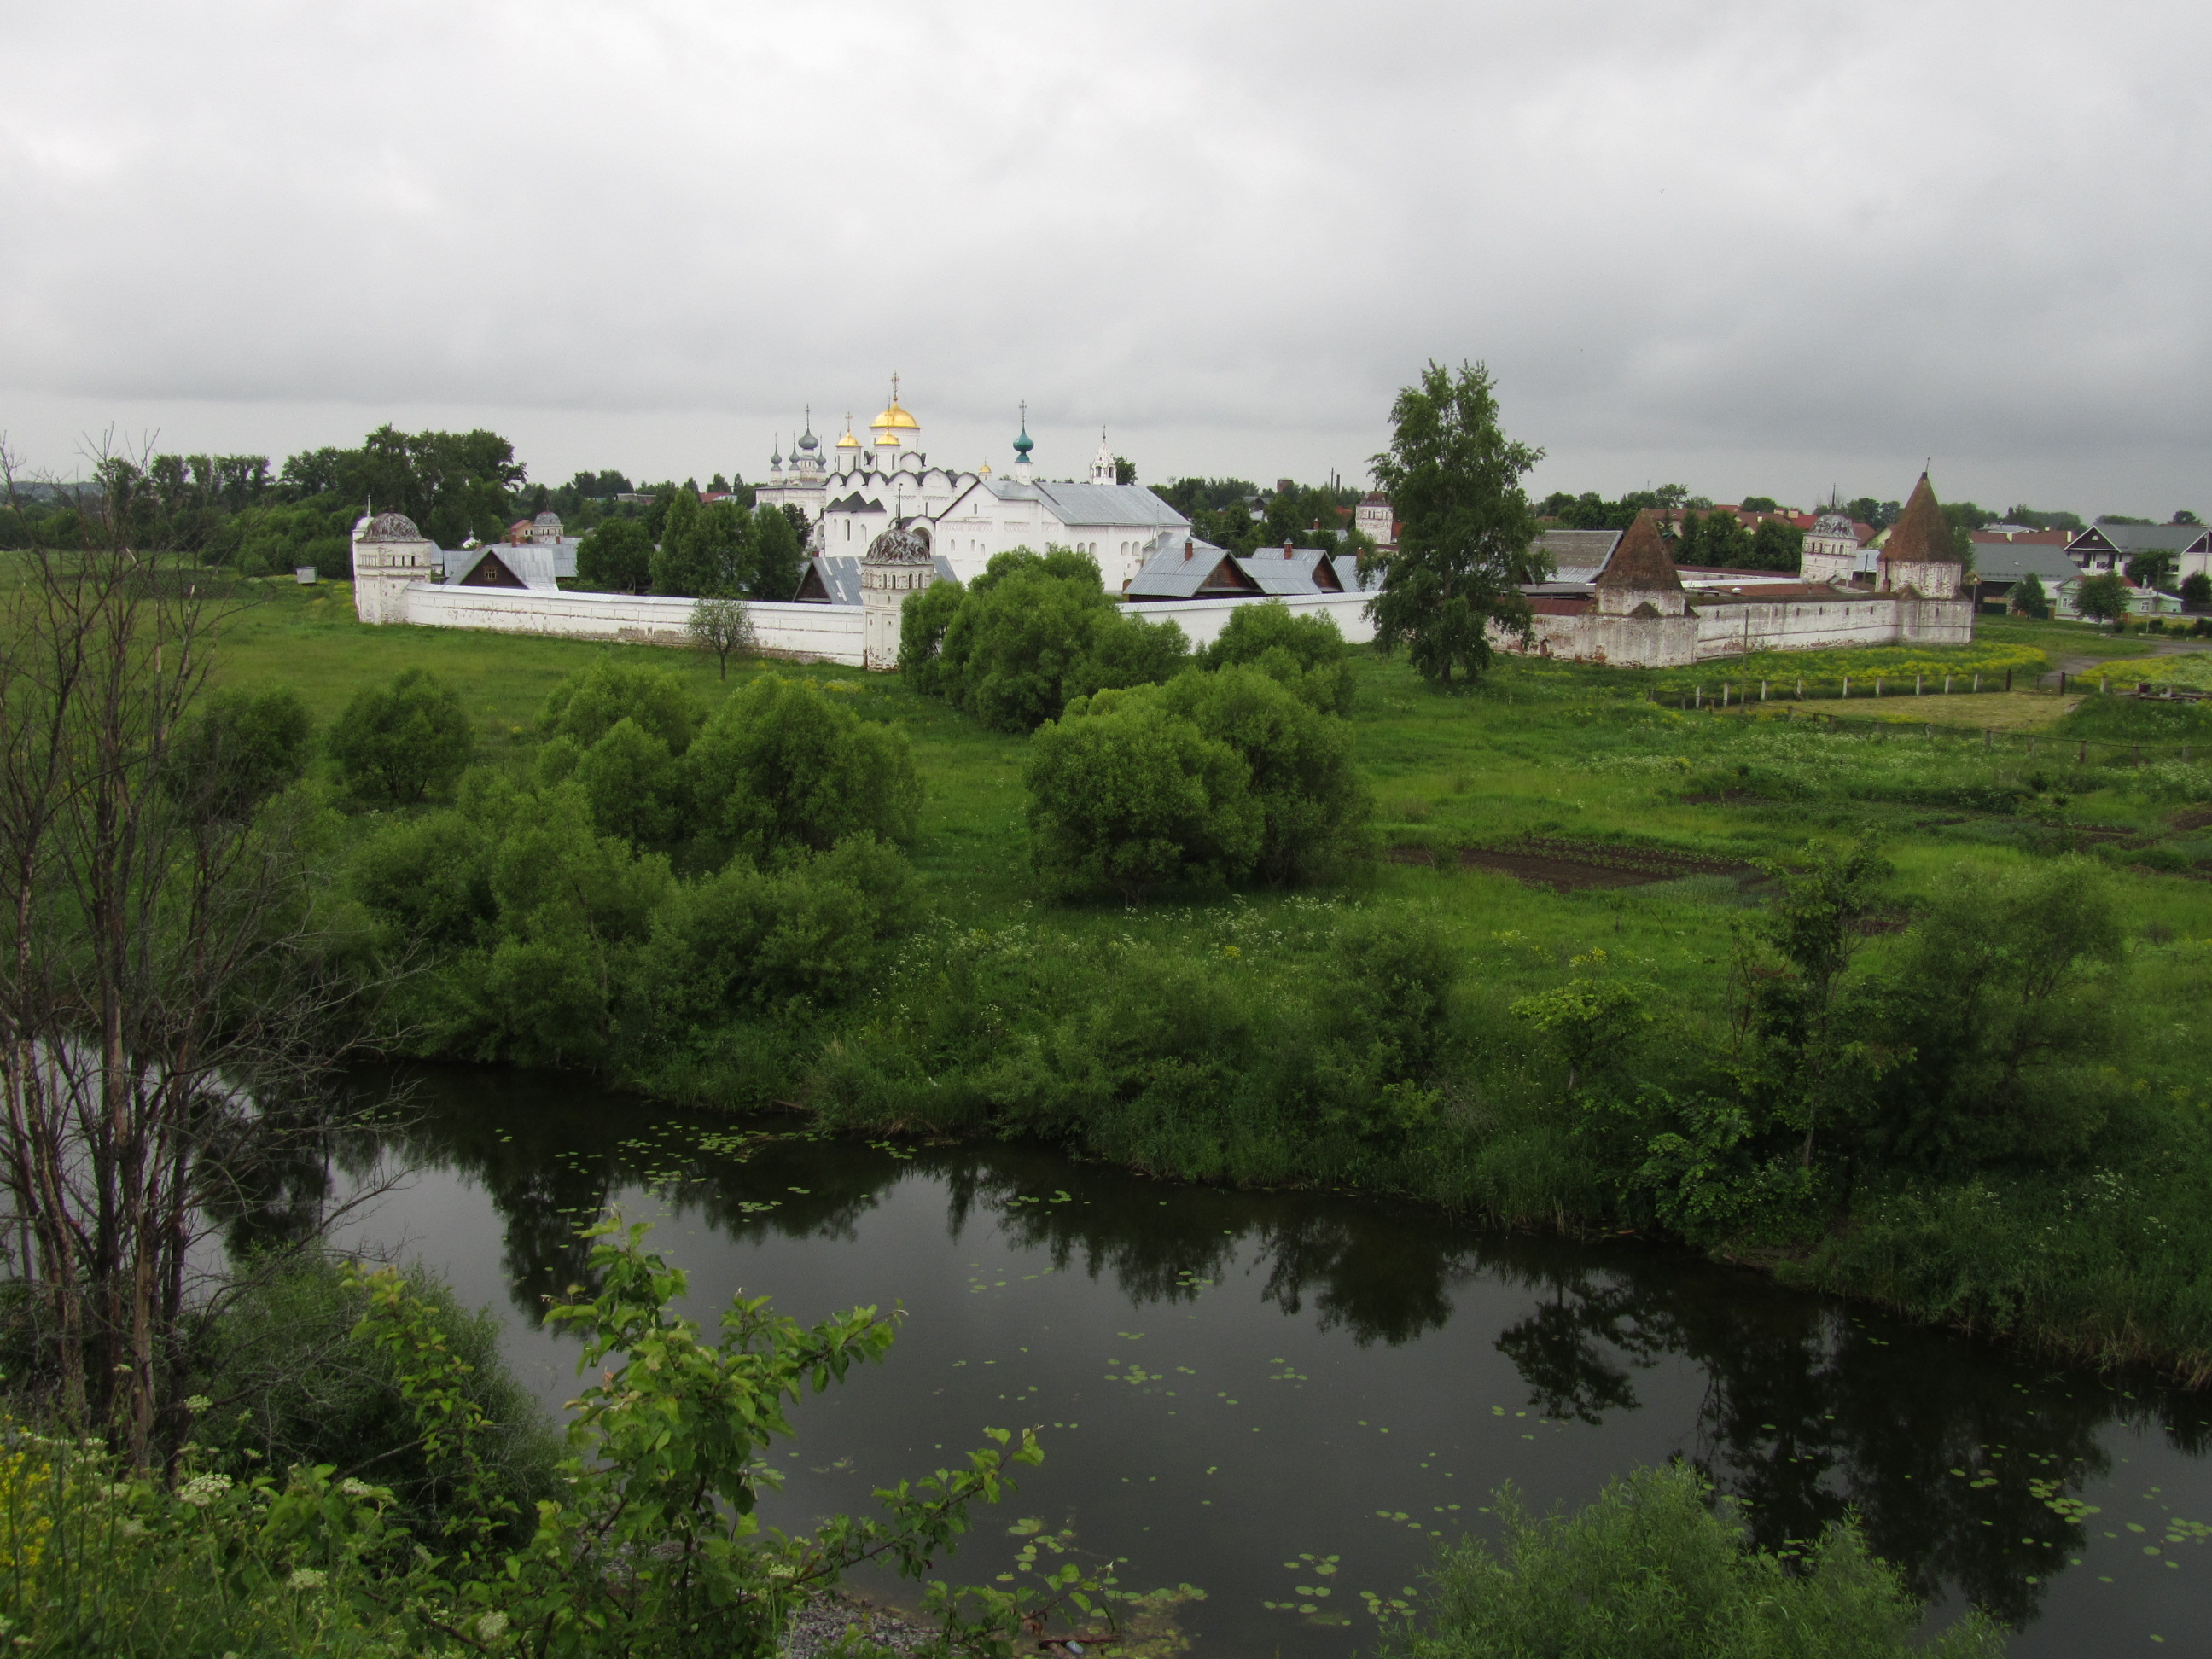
point(1763, 247)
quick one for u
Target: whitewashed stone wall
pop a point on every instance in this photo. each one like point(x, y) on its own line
point(1202, 620)
point(1732, 630)
point(803, 633)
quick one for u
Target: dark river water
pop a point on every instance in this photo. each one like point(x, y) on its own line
point(1231, 1386)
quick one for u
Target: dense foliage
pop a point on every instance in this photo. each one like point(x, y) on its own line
point(652, 1547)
point(1648, 1572)
point(1466, 534)
point(402, 742)
point(1032, 631)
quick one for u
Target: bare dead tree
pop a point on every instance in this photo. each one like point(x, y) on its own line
point(167, 970)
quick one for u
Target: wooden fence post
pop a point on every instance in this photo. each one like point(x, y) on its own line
point(2007, 679)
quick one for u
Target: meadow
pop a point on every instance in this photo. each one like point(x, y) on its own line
point(1556, 826)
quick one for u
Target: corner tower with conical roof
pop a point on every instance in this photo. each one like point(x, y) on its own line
point(1640, 579)
point(1920, 554)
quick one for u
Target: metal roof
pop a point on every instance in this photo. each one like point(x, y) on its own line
point(2145, 537)
point(2007, 562)
point(1108, 504)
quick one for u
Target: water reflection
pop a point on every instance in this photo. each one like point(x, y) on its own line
point(1967, 1466)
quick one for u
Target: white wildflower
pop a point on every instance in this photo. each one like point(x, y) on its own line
point(780, 1569)
point(307, 1579)
point(354, 1488)
point(197, 1403)
point(203, 1490)
point(491, 1627)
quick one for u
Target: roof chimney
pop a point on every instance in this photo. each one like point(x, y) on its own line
point(1287, 549)
point(1186, 547)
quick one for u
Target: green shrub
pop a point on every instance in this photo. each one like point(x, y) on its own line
point(1646, 1572)
point(747, 938)
point(781, 765)
point(1126, 796)
point(402, 742)
point(287, 1385)
point(1306, 654)
point(1032, 632)
point(1208, 778)
point(238, 749)
point(587, 705)
point(1313, 807)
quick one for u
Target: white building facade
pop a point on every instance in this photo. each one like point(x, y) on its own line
point(851, 492)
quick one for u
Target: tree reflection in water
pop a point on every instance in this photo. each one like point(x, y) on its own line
point(1811, 1408)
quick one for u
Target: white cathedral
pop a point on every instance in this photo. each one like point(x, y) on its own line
point(854, 492)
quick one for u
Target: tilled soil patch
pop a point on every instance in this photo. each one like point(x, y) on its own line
point(1575, 865)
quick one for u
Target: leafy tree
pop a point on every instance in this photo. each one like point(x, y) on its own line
point(1759, 504)
point(703, 549)
point(1650, 1572)
point(1298, 762)
point(1777, 544)
point(1125, 649)
point(811, 926)
point(1127, 796)
point(453, 484)
point(2184, 516)
point(2035, 519)
point(238, 749)
point(2196, 592)
point(403, 742)
point(1880, 514)
point(2102, 598)
point(1809, 1057)
point(636, 787)
point(922, 622)
point(1034, 631)
point(1306, 654)
point(2005, 1008)
point(721, 628)
point(2119, 518)
point(783, 764)
point(2152, 570)
point(590, 703)
point(615, 557)
point(1125, 470)
point(2030, 598)
point(776, 559)
point(1467, 535)
point(1717, 538)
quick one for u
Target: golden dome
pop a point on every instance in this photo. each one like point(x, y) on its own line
point(894, 418)
point(889, 441)
point(849, 441)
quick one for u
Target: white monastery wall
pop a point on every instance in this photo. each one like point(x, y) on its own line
point(1202, 620)
point(1732, 630)
point(803, 633)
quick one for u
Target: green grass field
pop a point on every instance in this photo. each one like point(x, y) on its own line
point(1546, 750)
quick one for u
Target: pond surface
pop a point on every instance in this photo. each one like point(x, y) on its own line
point(1232, 1386)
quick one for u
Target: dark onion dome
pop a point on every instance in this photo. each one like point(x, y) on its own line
point(391, 527)
point(1641, 561)
point(1922, 535)
point(900, 545)
point(1836, 527)
point(1024, 444)
point(808, 440)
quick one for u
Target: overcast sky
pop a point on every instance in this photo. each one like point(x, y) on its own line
point(1753, 247)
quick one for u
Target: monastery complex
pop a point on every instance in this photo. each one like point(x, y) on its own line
point(885, 522)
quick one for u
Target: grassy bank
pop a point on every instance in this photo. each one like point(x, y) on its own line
point(1555, 833)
